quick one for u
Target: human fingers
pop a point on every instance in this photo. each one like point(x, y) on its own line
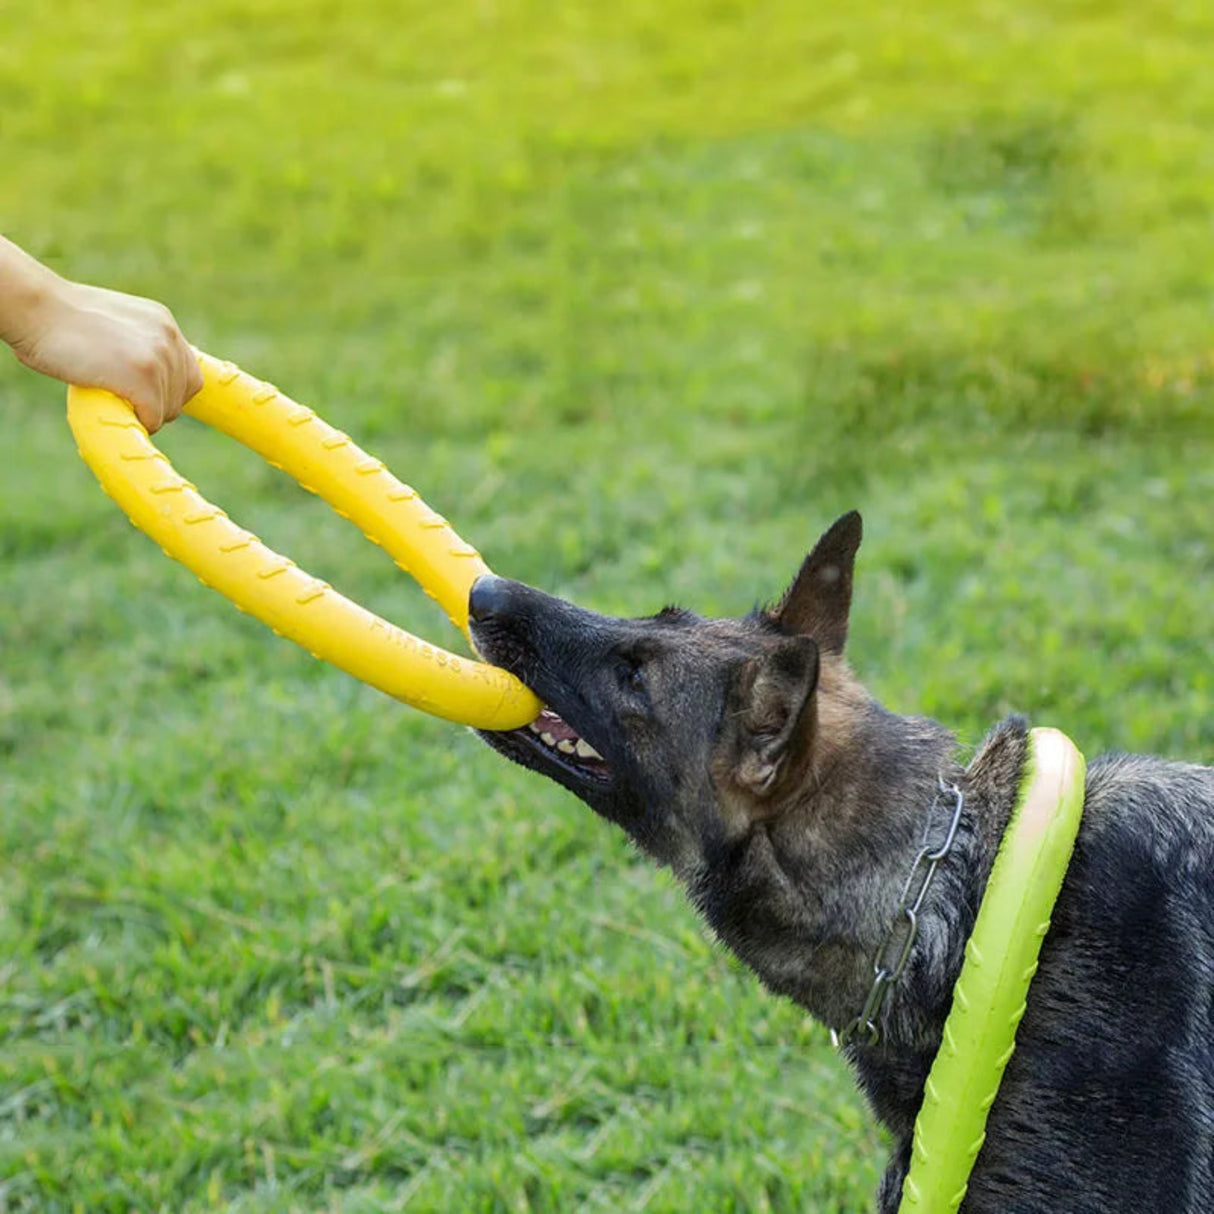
point(147, 388)
point(194, 380)
point(161, 364)
point(185, 378)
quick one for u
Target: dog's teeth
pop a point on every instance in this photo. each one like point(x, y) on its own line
point(531, 725)
point(586, 751)
point(565, 746)
point(547, 739)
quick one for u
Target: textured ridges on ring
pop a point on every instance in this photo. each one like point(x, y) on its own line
point(279, 565)
point(315, 591)
point(203, 516)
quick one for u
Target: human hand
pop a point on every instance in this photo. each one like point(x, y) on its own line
point(96, 338)
point(104, 339)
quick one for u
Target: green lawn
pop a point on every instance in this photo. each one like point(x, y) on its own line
point(641, 296)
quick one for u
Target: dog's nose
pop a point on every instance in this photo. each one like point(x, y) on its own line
point(487, 597)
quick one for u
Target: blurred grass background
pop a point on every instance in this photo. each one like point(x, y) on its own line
point(641, 296)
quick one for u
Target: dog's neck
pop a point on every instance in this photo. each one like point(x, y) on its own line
point(808, 897)
point(893, 1071)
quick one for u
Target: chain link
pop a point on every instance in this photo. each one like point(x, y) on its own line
point(893, 955)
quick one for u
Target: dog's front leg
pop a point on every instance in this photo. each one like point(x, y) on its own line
point(889, 1196)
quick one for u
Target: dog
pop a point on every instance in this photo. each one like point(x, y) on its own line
point(745, 755)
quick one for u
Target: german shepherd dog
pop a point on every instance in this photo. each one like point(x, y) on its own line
point(744, 754)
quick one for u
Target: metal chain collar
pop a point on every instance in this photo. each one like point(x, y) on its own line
point(894, 953)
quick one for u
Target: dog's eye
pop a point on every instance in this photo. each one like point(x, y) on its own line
point(632, 675)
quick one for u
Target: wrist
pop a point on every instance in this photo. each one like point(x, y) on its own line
point(29, 295)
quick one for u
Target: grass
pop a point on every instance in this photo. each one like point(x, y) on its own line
point(641, 297)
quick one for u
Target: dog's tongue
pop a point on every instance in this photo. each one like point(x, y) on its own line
point(549, 722)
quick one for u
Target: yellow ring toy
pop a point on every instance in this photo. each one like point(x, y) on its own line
point(261, 582)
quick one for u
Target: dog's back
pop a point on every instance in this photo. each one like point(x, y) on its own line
point(1108, 1102)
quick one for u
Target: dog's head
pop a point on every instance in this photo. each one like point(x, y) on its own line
point(682, 730)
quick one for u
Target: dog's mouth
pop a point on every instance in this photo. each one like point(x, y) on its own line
point(549, 744)
point(553, 738)
point(555, 733)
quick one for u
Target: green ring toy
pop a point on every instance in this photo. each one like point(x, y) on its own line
point(1000, 961)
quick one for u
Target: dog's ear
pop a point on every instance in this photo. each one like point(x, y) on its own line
point(819, 600)
point(773, 693)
